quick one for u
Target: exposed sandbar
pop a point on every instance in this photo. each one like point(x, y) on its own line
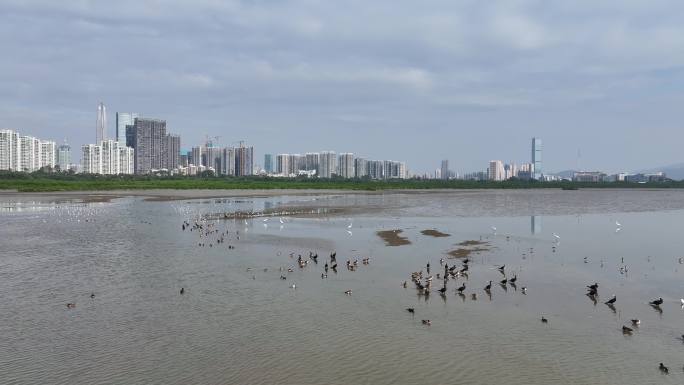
point(393, 237)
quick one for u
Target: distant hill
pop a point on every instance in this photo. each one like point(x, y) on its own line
point(673, 171)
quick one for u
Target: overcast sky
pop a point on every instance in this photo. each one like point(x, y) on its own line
point(418, 81)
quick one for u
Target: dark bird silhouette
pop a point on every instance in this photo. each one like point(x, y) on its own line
point(656, 302)
point(460, 289)
point(593, 287)
point(611, 301)
point(442, 290)
point(501, 268)
point(411, 310)
point(489, 286)
point(544, 320)
point(182, 290)
point(663, 368)
point(427, 322)
point(514, 279)
point(504, 281)
point(92, 295)
point(627, 330)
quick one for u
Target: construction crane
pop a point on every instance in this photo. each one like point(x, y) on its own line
point(212, 141)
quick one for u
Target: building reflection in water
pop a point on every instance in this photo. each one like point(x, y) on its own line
point(536, 224)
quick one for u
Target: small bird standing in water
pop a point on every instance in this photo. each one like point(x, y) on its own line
point(663, 368)
point(182, 290)
point(544, 320)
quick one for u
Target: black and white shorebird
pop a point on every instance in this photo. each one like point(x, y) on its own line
point(427, 322)
point(627, 330)
point(656, 302)
point(636, 322)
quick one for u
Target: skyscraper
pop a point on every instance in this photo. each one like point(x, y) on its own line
point(360, 167)
point(109, 157)
point(25, 153)
point(496, 170)
point(171, 154)
point(243, 160)
point(154, 148)
point(91, 159)
point(228, 161)
point(537, 158)
point(268, 163)
point(328, 164)
point(346, 165)
point(283, 164)
point(101, 124)
point(444, 170)
point(64, 157)
point(10, 150)
point(124, 119)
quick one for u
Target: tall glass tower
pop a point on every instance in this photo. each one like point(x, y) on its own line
point(536, 158)
point(101, 125)
point(124, 119)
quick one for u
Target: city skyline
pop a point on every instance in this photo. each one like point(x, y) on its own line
point(465, 81)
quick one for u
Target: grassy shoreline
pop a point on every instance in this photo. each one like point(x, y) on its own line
point(76, 182)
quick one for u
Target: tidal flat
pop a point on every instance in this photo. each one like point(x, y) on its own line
point(263, 301)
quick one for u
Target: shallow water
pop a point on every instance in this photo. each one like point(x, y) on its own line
point(239, 324)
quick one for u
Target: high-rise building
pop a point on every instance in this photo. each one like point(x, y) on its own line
point(244, 160)
point(91, 162)
point(268, 163)
point(328, 164)
point(313, 161)
point(124, 119)
point(296, 163)
point(376, 169)
point(394, 170)
point(64, 157)
point(10, 150)
point(101, 124)
point(360, 168)
point(496, 170)
point(197, 156)
point(537, 171)
point(346, 165)
point(126, 159)
point(110, 157)
point(48, 153)
point(172, 149)
point(25, 153)
point(444, 170)
point(213, 157)
point(228, 161)
point(283, 164)
point(154, 148)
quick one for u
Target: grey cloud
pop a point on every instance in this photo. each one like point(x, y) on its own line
point(405, 80)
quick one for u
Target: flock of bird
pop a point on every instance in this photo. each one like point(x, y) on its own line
point(209, 235)
point(424, 283)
